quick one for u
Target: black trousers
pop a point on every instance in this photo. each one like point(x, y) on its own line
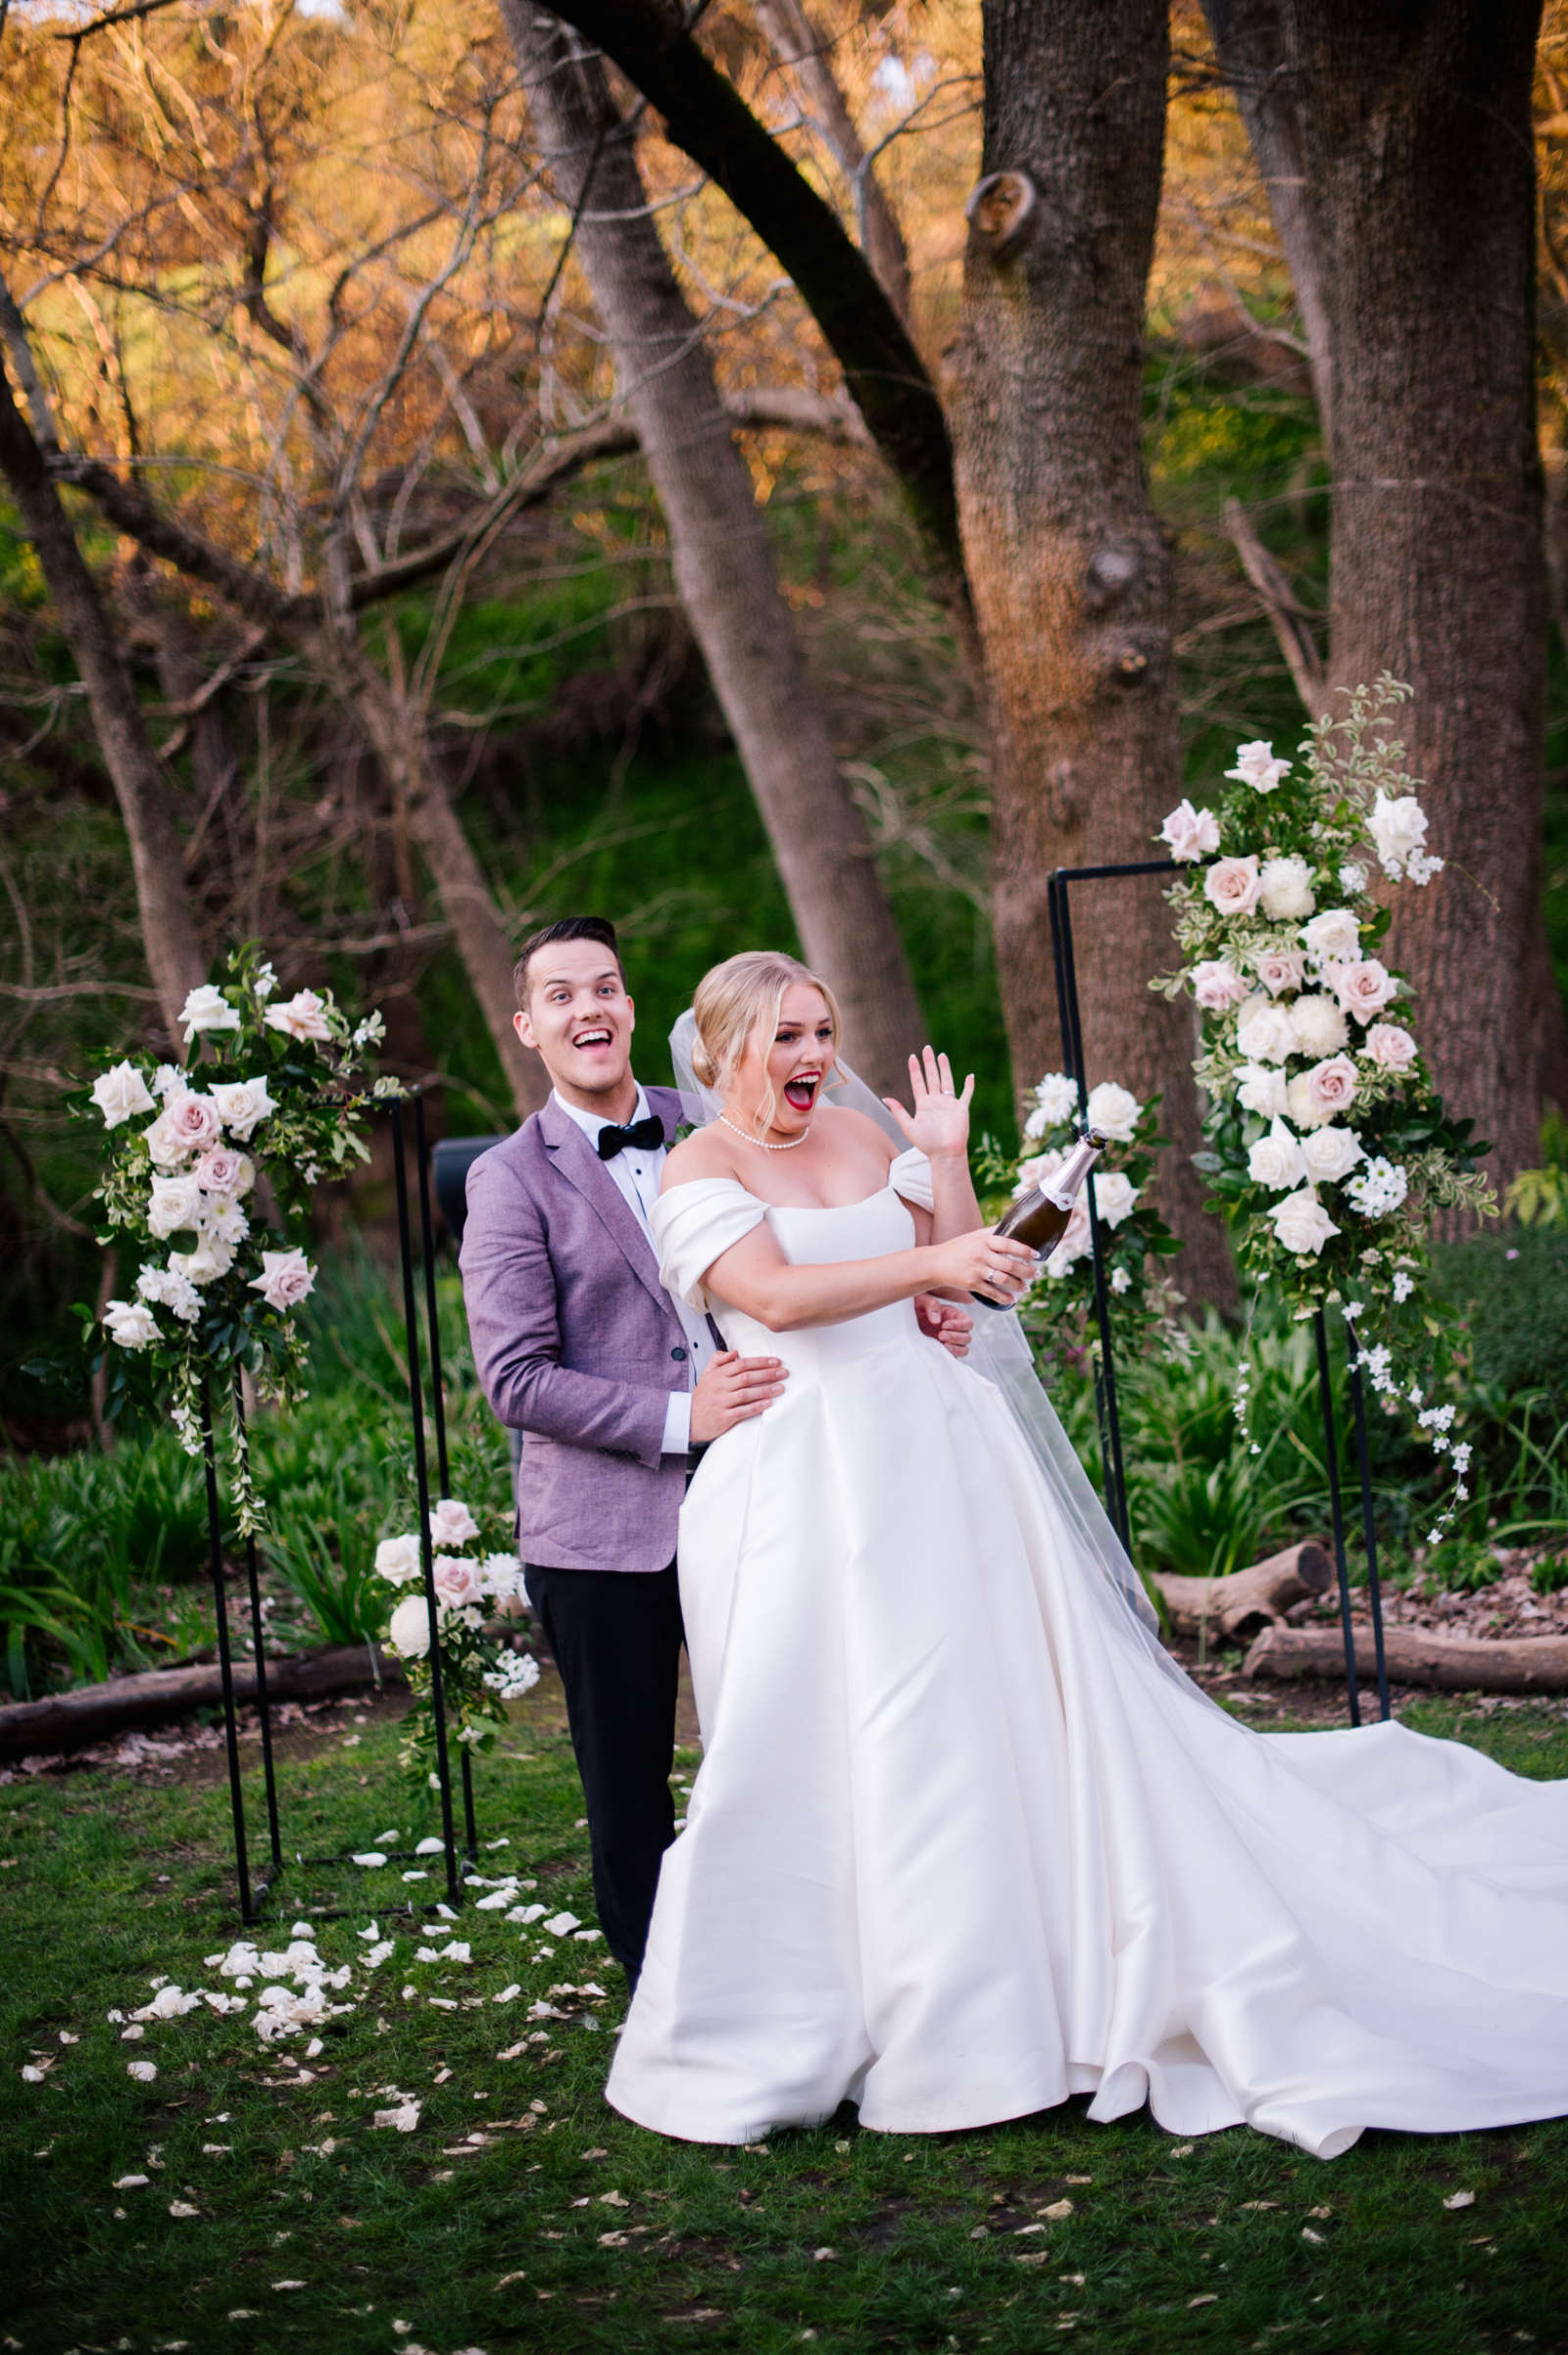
point(615, 1637)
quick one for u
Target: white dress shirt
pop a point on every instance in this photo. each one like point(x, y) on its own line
point(636, 1175)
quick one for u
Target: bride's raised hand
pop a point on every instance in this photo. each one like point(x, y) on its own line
point(940, 1122)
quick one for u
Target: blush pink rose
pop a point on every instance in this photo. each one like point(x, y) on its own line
point(189, 1122)
point(1191, 833)
point(301, 1016)
point(1232, 885)
point(1389, 1046)
point(1363, 989)
point(1279, 970)
point(285, 1279)
point(1218, 984)
point(458, 1581)
point(223, 1170)
point(1331, 1087)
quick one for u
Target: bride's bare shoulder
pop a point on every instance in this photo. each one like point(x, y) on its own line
point(702, 1154)
point(858, 1131)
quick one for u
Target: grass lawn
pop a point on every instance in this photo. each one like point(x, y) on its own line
point(520, 2212)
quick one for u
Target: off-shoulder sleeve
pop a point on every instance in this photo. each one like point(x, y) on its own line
point(695, 1224)
point(910, 1176)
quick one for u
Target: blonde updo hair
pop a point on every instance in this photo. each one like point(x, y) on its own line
point(734, 999)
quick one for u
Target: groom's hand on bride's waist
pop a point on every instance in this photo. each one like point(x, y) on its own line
point(732, 1389)
point(944, 1321)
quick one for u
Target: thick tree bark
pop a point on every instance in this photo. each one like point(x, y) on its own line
point(1416, 1656)
point(723, 563)
point(1417, 221)
point(1236, 1604)
point(797, 44)
point(1068, 566)
point(175, 957)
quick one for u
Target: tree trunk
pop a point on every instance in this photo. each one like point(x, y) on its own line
point(1415, 1656)
point(398, 736)
point(1068, 566)
point(174, 956)
point(1236, 1604)
point(723, 563)
point(1418, 219)
point(796, 42)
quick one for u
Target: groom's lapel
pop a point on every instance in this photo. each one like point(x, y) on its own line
point(579, 1164)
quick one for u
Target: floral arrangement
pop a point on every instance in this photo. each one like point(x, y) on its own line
point(1329, 1147)
point(479, 1671)
point(1134, 1238)
point(274, 1103)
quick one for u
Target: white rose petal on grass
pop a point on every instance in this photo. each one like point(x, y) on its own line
point(1113, 1111)
point(121, 1094)
point(301, 1016)
point(370, 1858)
point(207, 1009)
point(1232, 885)
point(130, 1323)
point(402, 2120)
point(142, 2071)
point(526, 1913)
point(559, 1923)
point(285, 1279)
point(242, 1104)
point(180, 2207)
point(1460, 2200)
point(1285, 890)
point(1302, 1225)
point(1190, 833)
point(1275, 1160)
point(1330, 1154)
point(1255, 765)
point(130, 2182)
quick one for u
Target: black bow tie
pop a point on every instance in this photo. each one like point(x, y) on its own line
point(646, 1135)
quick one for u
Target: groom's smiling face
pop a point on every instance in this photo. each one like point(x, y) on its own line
point(580, 1018)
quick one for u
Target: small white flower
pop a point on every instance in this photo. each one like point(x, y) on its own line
point(301, 1016)
point(1113, 1111)
point(1420, 866)
point(398, 1560)
point(502, 1576)
point(1285, 889)
point(1379, 1189)
point(285, 1279)
point(130, 1323)
point(1255, 765)
point(1191, 833)
point(168, 1080)
point(1120, 1280)
point(1352, 878)
point(225, 1222)
point(120, 1094)
point(266, 982)
point(1055, 1102)
point(1402, 1286)
point(207, 1009)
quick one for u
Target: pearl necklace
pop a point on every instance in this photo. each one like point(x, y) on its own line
point(788, 1145)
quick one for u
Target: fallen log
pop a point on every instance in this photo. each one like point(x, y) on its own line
point(69, 1720)
point(1417, 1655)
point(1235, 1604)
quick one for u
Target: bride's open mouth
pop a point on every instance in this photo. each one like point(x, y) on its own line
point(801, 1091)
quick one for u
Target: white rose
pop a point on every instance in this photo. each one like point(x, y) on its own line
point(1333, 937)
point(408, 1630)
point(1191, 833)
point(1284, 888)
point(452, 1523)
point(285, 1279)
point(1320, 1095)
point(164, 1147)
point(1317, 1024)
point(1330, 1154)
point(1115, 1196)
point(1261, 1090)
point(1279, 970)
point(223, 1170)
point(398, 1561)
point(241, 1104)
point(1302, 1224)
point(458, 1581)
point(1255, 765)
point(1218, 984)
point(132, 1323)
point(1113, 1111)
point(1036, 1169)
point(1263, 1031)
point(207, 1009)
point(190, 1121)
point(121, 1093)
point(206, 1263)
point(175, 1202)
point(1363, 989)
point(1389, 1046)
point(301, 1016)
point(1232, 886)
point(1275, 1161)
point(1397, 828)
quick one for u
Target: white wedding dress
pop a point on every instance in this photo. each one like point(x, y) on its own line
point(965, 1841)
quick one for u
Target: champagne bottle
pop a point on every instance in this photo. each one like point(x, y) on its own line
point(1040, 1217)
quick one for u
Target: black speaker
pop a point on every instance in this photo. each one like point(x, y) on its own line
point(450, 1162)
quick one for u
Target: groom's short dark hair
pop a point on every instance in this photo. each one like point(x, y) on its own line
point(566, 928)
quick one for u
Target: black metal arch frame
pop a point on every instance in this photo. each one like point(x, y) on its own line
point(1060, 904)
point(253, 1893)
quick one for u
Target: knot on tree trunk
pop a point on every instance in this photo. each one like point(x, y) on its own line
point(1111, 572)
point(999, 209)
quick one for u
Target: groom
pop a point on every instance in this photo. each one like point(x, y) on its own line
point(614, 1385)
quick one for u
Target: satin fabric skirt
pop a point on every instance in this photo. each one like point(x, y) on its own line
point(965, 1841)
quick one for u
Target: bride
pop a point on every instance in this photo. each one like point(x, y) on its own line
point(965, 1840)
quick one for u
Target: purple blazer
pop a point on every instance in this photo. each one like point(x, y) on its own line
point(578, 1345)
